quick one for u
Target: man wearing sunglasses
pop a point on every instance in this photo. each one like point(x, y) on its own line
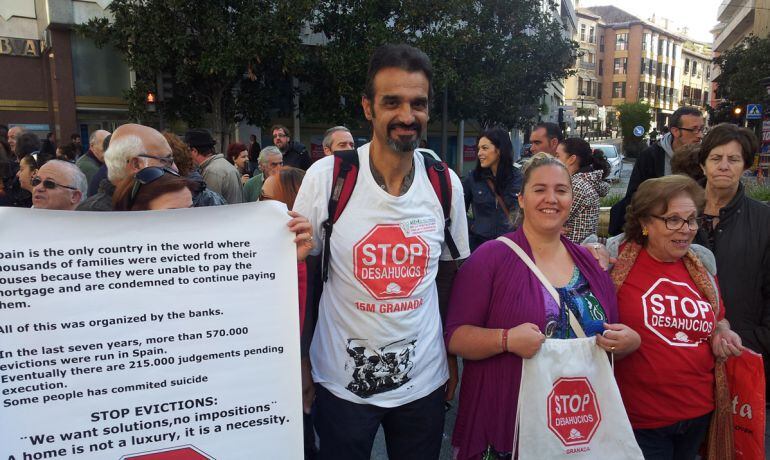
point(58, 185)
point(686, 127)
point(132, 148)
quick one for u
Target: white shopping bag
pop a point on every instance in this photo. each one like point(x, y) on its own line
point(570, 407)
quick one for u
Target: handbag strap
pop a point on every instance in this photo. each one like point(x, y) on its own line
point(573, 322)
point(500, 200)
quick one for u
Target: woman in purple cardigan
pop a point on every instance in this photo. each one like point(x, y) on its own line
point(500, 312)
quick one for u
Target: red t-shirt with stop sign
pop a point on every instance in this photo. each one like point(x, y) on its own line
point(670, 377)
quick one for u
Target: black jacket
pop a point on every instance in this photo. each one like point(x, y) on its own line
point(650, 164)
point(742, 250)
point(297, 156)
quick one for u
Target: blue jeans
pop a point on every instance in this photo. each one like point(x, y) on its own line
point(680, 441)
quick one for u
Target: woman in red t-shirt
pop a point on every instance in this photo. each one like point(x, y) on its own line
point(668, 294)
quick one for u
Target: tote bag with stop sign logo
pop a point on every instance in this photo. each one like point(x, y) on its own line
point(570, 407)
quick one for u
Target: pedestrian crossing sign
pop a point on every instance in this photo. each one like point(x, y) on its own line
point(753, 112)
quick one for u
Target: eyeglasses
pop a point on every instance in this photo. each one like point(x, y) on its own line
point(146, 176)
point(699, 129)
point(166, 161)
point(279, 135)
point(274, 164)
point(49, 183)
point(677, 223)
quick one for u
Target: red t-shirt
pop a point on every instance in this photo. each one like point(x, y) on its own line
point(670, 377)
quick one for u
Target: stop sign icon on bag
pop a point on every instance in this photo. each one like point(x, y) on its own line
point(573, 411)
point(389, 264)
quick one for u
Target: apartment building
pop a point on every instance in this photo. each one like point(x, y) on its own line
point(583, 90)
point(696, 74)
point(737, 20)
point(637, 61)
point(555, 92)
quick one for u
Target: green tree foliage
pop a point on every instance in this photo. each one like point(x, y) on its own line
point(494, 57)
point(741, 69)
point(228, 59)
point(633, 115)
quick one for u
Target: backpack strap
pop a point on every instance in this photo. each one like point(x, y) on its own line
point(441, 181)
point(344, 181)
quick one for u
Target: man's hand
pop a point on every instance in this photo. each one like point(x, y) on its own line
point(454, 378)
point(301, 227)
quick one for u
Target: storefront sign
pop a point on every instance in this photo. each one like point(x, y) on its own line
point(19, 47)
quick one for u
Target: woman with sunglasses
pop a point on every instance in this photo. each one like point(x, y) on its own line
point(667, 292)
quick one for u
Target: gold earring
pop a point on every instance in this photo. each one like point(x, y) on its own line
point(645, 232)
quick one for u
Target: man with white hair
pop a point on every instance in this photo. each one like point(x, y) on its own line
point(132, 148)
point(13, 135)
point(270, 159)
point(94, 157)
point(58, 185)
point(338, 139)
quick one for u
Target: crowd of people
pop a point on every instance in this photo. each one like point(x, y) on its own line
point(380, 347)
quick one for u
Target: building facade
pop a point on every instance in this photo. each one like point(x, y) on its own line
point(696, 74)
point(584, 89)
point(554, 96)
point(53, 79)
point(737, 20)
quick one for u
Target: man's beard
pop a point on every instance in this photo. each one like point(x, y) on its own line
point(404, 146)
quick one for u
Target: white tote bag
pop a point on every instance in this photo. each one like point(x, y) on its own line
point(569, 403)
point(570, 407)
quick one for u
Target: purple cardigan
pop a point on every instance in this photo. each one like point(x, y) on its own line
point(495, 289)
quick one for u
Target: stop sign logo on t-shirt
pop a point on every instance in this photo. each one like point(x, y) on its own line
point(573, 411)
point(676, 313)
point(389, 264)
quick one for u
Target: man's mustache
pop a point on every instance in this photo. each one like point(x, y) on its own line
point(413, 126)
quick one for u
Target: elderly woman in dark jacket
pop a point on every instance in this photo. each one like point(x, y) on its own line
point(492, 188)
point(737, 229)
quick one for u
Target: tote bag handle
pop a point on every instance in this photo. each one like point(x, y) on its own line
point(573, 322)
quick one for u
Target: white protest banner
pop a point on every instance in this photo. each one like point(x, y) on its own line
point(149, 335)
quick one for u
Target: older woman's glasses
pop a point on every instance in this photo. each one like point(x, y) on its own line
point(677, 223)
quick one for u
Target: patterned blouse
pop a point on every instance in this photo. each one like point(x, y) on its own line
point(584, 213)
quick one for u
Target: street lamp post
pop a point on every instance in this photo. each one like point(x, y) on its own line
point(582, 113)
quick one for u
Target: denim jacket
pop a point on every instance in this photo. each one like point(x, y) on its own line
point(489, 220)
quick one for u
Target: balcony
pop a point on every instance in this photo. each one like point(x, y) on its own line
point(586, 65)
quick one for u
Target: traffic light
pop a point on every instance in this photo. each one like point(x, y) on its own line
point(149, 101)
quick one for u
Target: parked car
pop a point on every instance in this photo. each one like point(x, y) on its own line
point(614, 158)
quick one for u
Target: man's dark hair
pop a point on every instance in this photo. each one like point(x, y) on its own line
point(723, 134)
point(27, 144)
point(402, 57)
point(4, 133)
point(106, 142)
point(74, 136)
point(552, 130)
point(676, 117)
point(282, 127)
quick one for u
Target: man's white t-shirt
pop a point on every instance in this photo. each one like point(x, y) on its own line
point(379, 337)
